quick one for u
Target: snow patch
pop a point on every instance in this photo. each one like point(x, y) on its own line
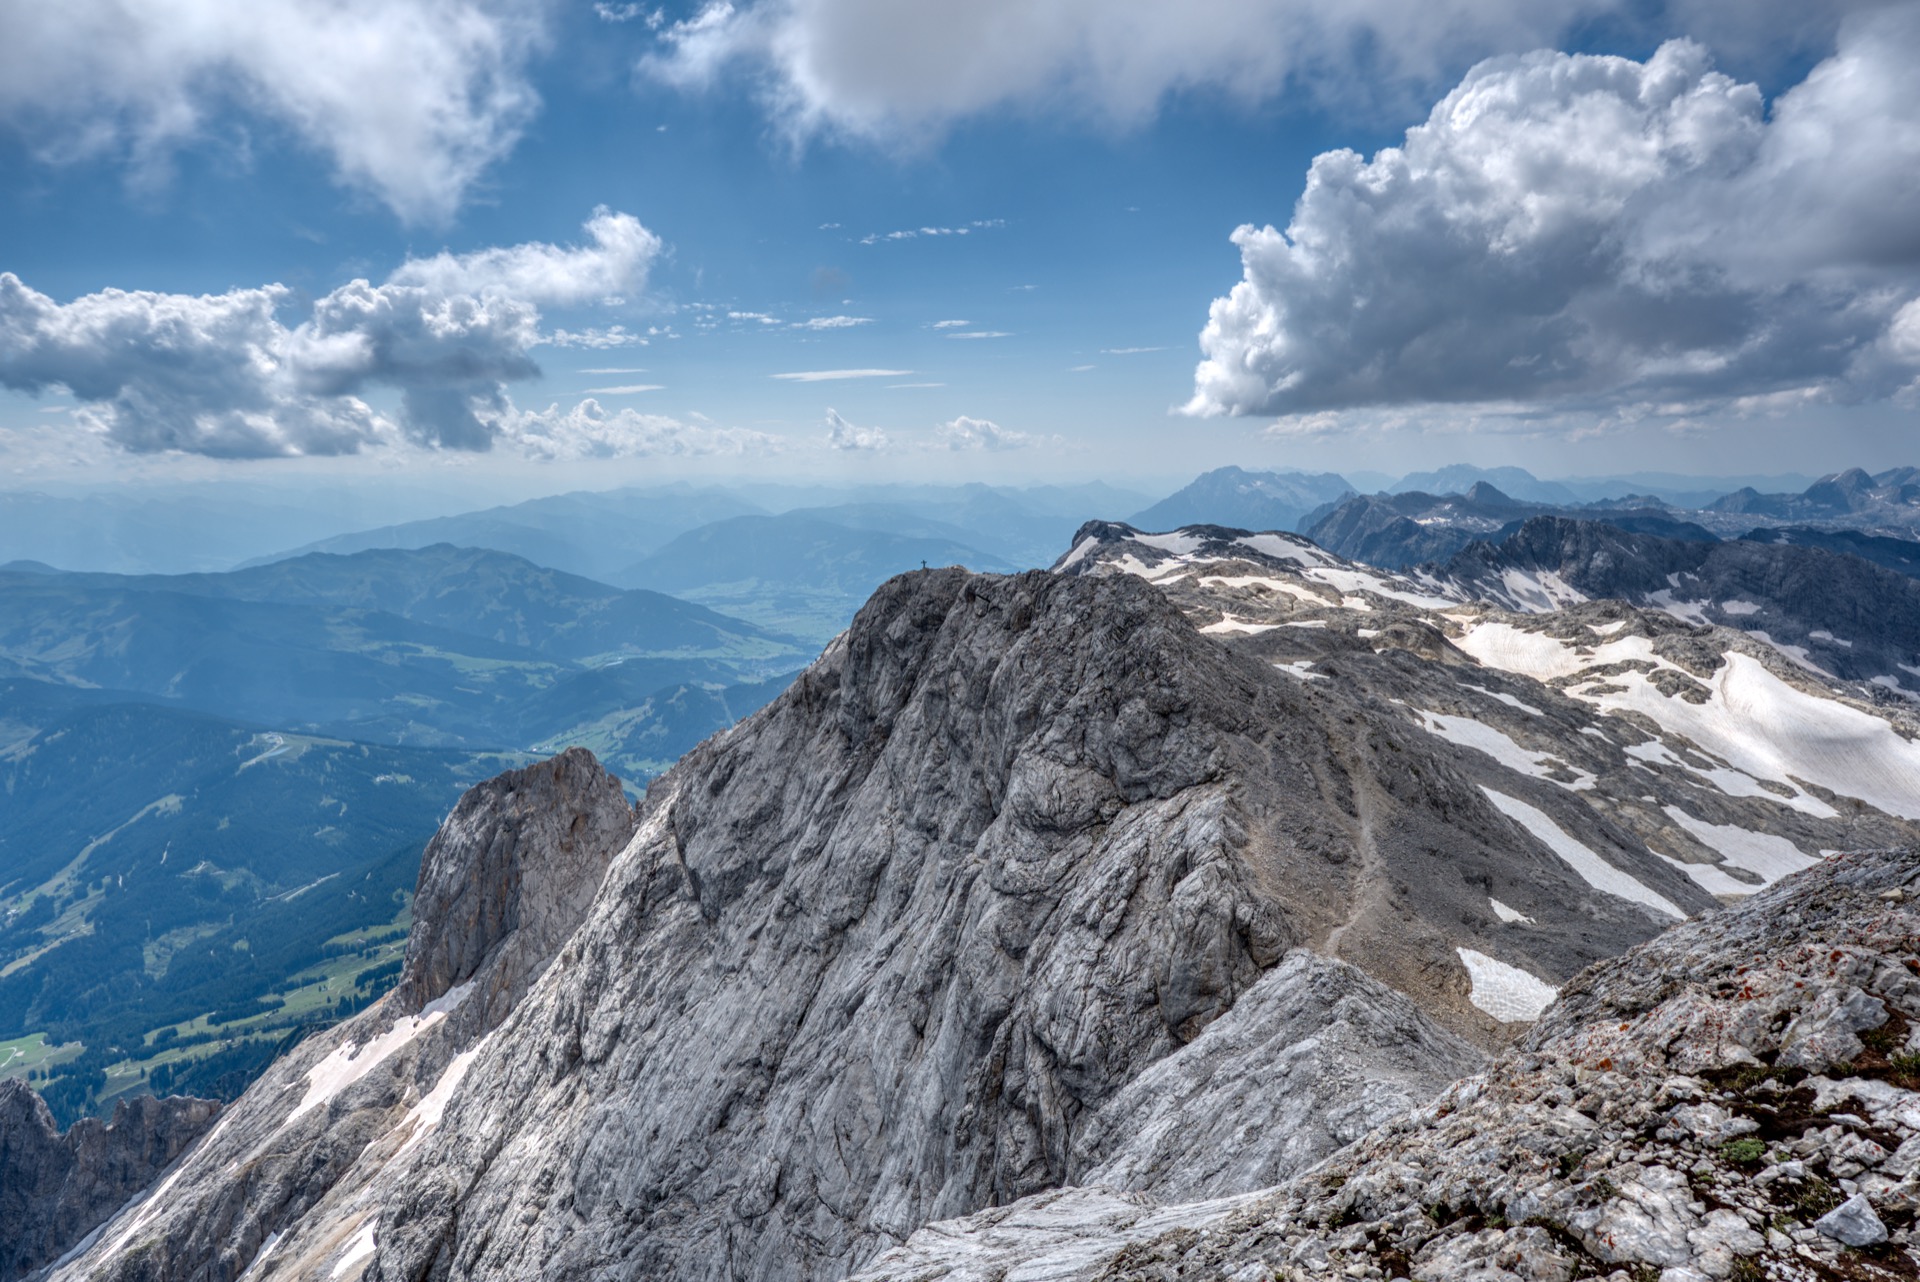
point(1740, 608)
point(1231, 625)
point(1507, 914)
point(1593, 870)
point(1302, 668)
point(1772, 730)
point(1712, 878)
point(350, 1062)
point(359, 1250)
point(1482, 737)
point(1763, 854)
point(1505, 698)
point(1507, 993)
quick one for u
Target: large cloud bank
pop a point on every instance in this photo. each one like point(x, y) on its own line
point(893, 69)
point(1568, 229)
point(410, 99)
point(223, 375)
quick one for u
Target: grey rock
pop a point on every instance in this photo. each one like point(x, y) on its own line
point(1312, 1057)
point(296, 1167)
point(1427, 1188)
point(54, 1188)
point(1852, 1223)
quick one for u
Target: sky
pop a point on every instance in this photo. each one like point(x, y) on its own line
point(526, 245)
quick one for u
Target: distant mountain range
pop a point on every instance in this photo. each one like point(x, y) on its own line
point(798, 572)
point(1231, 496)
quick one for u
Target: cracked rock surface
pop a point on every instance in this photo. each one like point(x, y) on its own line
point(1648, 1126)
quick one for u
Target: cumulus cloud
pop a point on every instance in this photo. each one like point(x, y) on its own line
point(890, 70)
point(616, 261)
point(1568, 228)
point(224, 375)
point(842, 435)
point(965, 433)
point(411, 100)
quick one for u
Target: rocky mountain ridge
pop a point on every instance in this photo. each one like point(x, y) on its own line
point(1171, 871)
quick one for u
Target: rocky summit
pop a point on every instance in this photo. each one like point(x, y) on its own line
point(1084, 908)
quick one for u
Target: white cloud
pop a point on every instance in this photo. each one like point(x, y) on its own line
point(223, 375)
point(835, 375)
point(411, 100)
point(891, 70)
point(832, 322)
point(761, 317)
point(1128, 351)
point(1571, 229)
point(842, 435)
point(965, 433)
point(594, 338)
point(587, 430)
point(614, 369)
point(951, 324)
point(980, 333)
point(617, 260)
point(918, 233)
point(626, 389)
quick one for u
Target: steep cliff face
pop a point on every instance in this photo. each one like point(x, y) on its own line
point(292, 1169)
point(55, 1188)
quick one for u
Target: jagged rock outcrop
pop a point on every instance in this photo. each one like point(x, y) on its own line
point(1738, 1098)
point(55, 1188)
point(509, 875)
point(293, 1168)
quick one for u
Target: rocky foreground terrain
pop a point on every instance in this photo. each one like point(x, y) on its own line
point(1091, 904)
point(1737, 1099)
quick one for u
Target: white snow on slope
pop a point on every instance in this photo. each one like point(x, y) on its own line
point(1538, 592)
point(350, 1062)
point(1507, 914)
point(1478, 735)
point(1179, 543)
point(1298, 591)
point(1593, 870)
point(1230, 625)
point(1503, 697)
point(433, 1105)
point(1772, 730)
point(1302, 668)
point(359, 1250)
point(1712, 878)
point(1761, 853)
point(1507, 993)
point(1734, 783)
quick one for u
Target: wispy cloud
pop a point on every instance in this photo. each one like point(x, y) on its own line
point(593, 338)
point(835, 375)
point(832, 322)
point(761, 317)
point(1080, 369)
point(616, 369)
point(925, 233)
point(1128, 351)
point(897, 386)
point(628, 389)
point(980, 333)
point(951, 324)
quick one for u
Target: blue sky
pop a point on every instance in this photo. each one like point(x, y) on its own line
point(1022, 211)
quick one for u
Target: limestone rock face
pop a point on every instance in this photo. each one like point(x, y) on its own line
point(295, 1167)
point(1648, 1124)
point(55, 1188)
